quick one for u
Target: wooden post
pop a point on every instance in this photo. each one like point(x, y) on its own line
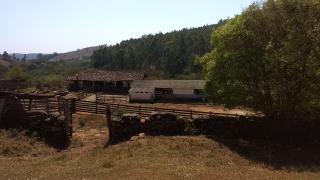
point(59, 105)
point(68, 115)
point(140, 110)
point(190, 113)
point(109, 123)
point(210, 114)
point(30, 104)
point(47, 105)
point(96, 107)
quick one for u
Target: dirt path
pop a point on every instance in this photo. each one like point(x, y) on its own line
point(93, 134)
point(91, 98)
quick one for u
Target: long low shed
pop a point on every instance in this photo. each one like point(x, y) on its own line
point(150, 90)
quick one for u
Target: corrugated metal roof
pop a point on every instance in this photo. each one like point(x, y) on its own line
point(100, 75)
point(141, 89)
point(174, 84)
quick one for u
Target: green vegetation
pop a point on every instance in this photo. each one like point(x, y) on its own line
point(268, 58)
point(119, 112)
point(82, 122)
point(52, 74)
point(16, 73)
point(169, 55)
point(3, 71)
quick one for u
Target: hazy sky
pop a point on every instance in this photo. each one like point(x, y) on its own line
point(48, 26)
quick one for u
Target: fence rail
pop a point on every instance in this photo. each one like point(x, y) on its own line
point(100, 98)
point(57, 105)
point(143, 111)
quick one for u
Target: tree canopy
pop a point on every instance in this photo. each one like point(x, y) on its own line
point(268, 58)
point(167, 55)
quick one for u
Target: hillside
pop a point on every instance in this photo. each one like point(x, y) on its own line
point(175, 157)
point(169, 55)
point(29, 56)
point(79, 55)
point(4, 63)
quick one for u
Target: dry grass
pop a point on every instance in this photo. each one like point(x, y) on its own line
point(149, 158)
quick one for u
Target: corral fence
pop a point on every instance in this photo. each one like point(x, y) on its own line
point(85, 93)
point(58, 105)
point(114, 99)
point(49, 105)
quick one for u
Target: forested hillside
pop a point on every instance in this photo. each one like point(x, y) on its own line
point(170, 55)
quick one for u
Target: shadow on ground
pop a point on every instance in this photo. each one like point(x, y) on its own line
point(276, 155)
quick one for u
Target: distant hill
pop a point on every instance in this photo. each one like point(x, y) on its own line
point(30, 56)
point(78, 55)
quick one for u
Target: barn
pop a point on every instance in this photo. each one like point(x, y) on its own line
point(99, 80)
point(150, 90)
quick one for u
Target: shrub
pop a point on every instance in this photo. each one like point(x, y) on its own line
point(119, 112)
point(82, 122)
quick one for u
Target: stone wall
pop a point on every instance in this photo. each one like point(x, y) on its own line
point(122, 129)
point(54, 128)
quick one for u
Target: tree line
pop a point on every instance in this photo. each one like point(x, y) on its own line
point(169, 55)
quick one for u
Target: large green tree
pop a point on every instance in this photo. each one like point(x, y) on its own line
point(268, 58)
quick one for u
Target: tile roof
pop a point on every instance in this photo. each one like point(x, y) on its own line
point(100, 75)
point(174, 84)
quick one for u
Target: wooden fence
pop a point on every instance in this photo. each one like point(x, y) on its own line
point(114, 99)
point(49, 105)
point(57, 105)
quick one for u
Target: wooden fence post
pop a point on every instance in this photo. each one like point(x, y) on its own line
point(59, 105)
point(47, 105)
point(140, 110)
point(210, 114)
point(109, 123)
point(30, 104)
point(96, 107)
point(190, 113)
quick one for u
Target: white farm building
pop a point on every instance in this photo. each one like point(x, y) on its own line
point(150, 90)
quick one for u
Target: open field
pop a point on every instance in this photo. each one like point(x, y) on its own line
point(176, 157)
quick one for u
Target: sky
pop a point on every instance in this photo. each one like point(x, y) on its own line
point(46, 26)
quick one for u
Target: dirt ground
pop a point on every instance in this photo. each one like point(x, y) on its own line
point(174, 157)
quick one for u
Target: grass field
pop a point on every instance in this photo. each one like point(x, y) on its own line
point(176, 157)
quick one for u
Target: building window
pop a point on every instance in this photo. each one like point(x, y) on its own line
point(198, 92)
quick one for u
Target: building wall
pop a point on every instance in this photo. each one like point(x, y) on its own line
point(183, 91)
point(186, 94)
point(148, 96)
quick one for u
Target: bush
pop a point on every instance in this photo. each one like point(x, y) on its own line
point(82, 122)
point(119, 112)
